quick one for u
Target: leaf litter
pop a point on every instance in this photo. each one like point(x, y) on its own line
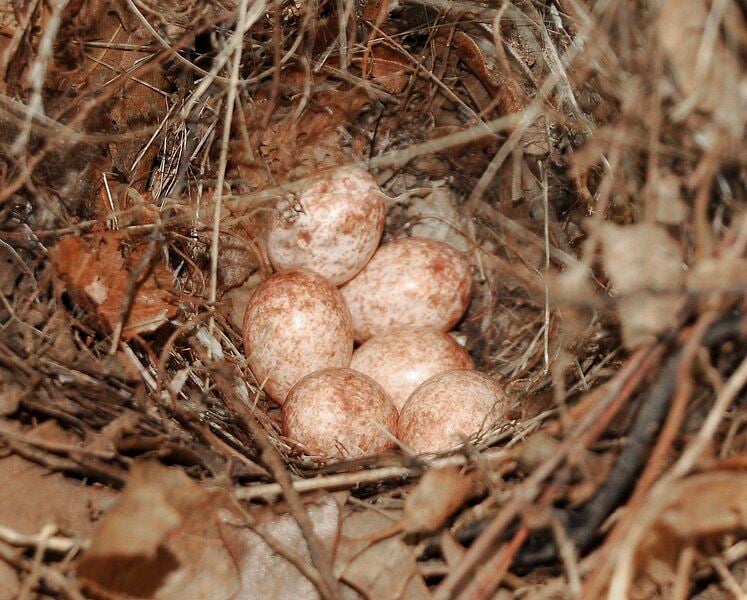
point(585, 155)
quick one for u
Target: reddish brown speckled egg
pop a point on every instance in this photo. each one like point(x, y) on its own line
point(295, 323)
point(411, 282)
point(449, 409)
point(401, 359)
point(333, 229)
point(338, 413)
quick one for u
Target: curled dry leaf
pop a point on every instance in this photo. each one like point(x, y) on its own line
point(712, 274)
point(440, 493)
point(97, 274)
point(436, 216)
point(161, 540)
point(695, 509)
point(384, 569)
point(644, 265)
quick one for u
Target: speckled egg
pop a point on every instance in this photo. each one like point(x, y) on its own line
point(449, 409)
point(401, 359)
point(333, 228)
point(412, 282)
point(295, 323)
point(339, 413)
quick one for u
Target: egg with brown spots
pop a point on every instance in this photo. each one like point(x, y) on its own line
point(449, 409)
point(401, 359)
point(414, 282)
point(339, 413)
point(332, 228)
point(295, 323)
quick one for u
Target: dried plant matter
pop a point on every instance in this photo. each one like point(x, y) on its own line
point(586, 158)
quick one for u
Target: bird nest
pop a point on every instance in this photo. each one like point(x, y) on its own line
point(585, 157)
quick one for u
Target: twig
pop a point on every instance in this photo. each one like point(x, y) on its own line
point(135, 280)
point(639, 525)
point(51, 543)
point(528, 490)
point(33, 577)
point(237, 39)
point(321, 556)
point(382, 474)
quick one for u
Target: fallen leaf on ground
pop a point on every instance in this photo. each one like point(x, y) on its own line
point(31, 496)
point(263, 573)
point(438, 495)
point(387, 66)
point(162, 539)
point(710, 80)
point(644, 265)
point(694, 510)
point(384, 569)
point(97, 274)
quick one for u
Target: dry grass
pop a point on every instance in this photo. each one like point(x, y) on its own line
point(558, 130)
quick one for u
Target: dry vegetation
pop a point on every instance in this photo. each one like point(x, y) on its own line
point(588, 155)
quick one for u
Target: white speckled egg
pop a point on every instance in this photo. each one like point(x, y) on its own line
point(401, 359)
point(449, 409)
point(338, 413)
point(334, 228)
point(412, 282)
point(295, 323)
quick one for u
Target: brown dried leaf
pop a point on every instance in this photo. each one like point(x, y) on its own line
point(701, 506)
point(385, 569)
point(305, 142)
point(162, 540)
point(644, 265)
point(688, 511)
point(708, 74)
point(31, 496)
point(387, 66)
point(265, 574)
point(712, 274)
point(97, 275)
point(440, 493)
point(10, 394)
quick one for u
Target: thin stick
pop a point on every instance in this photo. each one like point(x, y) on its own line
point(528, 490)
point(230, 103)
point(348, 480)
point(626, 549)
point(320, 554)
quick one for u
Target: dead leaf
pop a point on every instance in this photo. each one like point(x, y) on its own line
point(309, 140)
point(98, 274)
point(387, 66)
point(265, 574)
point(695, 509)
point(435, 215)
point(438, 495)
point(162, 540)
point(385, 569)
point(10, 394)
point(670, 208)
point(707, 72)
point(711, 274)
point(688, 512)
point(644, 265)
point(31, 496)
